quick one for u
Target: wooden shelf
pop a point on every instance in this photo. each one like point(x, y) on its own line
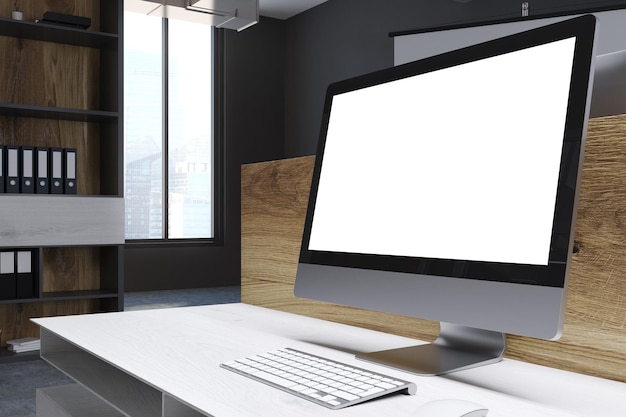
point(57, 34)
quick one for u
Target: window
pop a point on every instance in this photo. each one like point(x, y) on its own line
point(170, 167)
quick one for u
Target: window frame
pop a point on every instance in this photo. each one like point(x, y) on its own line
point(217, 144)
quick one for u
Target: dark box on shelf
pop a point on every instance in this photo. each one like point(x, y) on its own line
point(25, 273)
point(53, 18)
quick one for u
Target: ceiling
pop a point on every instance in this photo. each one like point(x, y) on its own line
point(284, 9)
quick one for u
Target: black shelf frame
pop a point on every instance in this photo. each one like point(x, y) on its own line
point(57, 34)
point(64, 296)
point(110, 297)
point(77, 295)
point(59, 113)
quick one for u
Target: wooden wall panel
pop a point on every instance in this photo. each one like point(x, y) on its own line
point(71, 269)
point(47, 74)
point(274, 199)
point(15, 318)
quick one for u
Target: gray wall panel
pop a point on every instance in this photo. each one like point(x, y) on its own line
point(612, 36)
point(344, 38)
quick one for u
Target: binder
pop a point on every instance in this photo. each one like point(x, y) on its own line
point(69, 170)
point(8, 283)
point(42, 185)
point(2, 166)
point(25, 280)
point(13, 169)
point(55, 168)
point(27, 165)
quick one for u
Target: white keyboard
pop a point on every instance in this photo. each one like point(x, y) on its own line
point(323, 381)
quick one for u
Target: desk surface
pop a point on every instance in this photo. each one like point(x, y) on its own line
point(178, 351)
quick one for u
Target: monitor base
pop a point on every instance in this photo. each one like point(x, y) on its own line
point(456, 348)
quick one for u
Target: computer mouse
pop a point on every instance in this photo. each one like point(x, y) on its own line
point(450, 408)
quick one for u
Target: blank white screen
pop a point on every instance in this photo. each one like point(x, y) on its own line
point(460, 163)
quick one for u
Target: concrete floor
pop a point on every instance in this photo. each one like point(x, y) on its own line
point(19, 380)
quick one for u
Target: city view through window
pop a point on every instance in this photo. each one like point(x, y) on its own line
point(168, 165)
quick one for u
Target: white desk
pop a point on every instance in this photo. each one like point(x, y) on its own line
point(166, 362)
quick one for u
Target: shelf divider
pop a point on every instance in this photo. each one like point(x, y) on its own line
point(39, 220)
point(60, 113)
point(56, 33)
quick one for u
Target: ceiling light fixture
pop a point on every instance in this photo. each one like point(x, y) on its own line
point(228, 14)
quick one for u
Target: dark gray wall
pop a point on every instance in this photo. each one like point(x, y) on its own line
point(276, 76)
point(253, 131)
point(344, 38)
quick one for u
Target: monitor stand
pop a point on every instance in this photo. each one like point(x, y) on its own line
point(456, 348)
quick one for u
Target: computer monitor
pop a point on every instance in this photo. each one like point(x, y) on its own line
point(446, 188)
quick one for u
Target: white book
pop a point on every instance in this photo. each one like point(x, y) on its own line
point(25, 341)
point(23, 349)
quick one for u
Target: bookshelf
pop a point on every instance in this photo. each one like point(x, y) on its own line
point(62, 87)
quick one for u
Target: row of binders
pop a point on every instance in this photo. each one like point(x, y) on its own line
point(17, 274)
point(37, 170)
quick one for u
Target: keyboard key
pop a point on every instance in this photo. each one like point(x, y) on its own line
point(346, 395)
